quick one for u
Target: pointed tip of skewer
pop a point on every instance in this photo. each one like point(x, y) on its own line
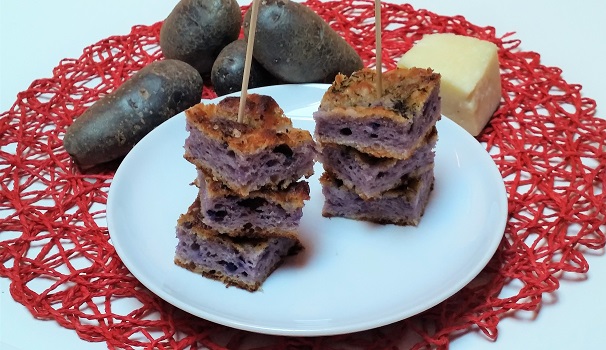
point(379, 82)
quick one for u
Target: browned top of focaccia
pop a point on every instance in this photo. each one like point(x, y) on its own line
point(404, 92)
point(250, 242)
point(264, 124)
point(290, 197)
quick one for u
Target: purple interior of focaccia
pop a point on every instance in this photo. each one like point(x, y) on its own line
point(250, 263)
point(248, 172)
point(378, 133)
point(233, 213)
point(404, 206)
point(370, 176)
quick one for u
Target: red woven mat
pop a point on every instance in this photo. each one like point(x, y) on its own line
point(544, 138)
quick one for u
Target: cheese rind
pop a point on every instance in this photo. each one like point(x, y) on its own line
point(471, 81)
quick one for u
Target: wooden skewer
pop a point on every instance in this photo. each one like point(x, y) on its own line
point(378, 50)
point(252, 28)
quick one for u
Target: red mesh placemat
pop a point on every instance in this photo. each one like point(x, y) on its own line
point(544, 138)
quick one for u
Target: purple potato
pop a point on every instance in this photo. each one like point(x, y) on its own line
point(197, 30)
point(112, 126)
point(228, 70)
point(296, 45)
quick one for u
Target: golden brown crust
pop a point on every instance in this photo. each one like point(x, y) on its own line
point(257, 238)
point(368, 218)
point(240, 191)
point(404, 93)
point(290, 198)
point(407, 189)
point(385, 153)
point(264, 124)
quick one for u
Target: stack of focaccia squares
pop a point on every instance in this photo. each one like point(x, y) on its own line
point(245, 219)
point(377, 150)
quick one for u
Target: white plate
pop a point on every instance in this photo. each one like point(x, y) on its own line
point(352, 275)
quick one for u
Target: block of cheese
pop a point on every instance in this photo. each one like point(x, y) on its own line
point(471, 81)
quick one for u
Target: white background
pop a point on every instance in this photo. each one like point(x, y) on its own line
point(36, 35)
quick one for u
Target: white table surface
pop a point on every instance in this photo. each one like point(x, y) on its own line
point(36, 35)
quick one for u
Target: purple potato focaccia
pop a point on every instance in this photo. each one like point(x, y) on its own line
point(392, 125)
point(264, 150)
point(244, 262)
point(261, 213)
point(403, 206)
point(370, 176)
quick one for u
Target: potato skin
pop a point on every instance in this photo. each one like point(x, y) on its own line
point(296, 45)
point(196, 30)
point(228, 70)
point(110, 127)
